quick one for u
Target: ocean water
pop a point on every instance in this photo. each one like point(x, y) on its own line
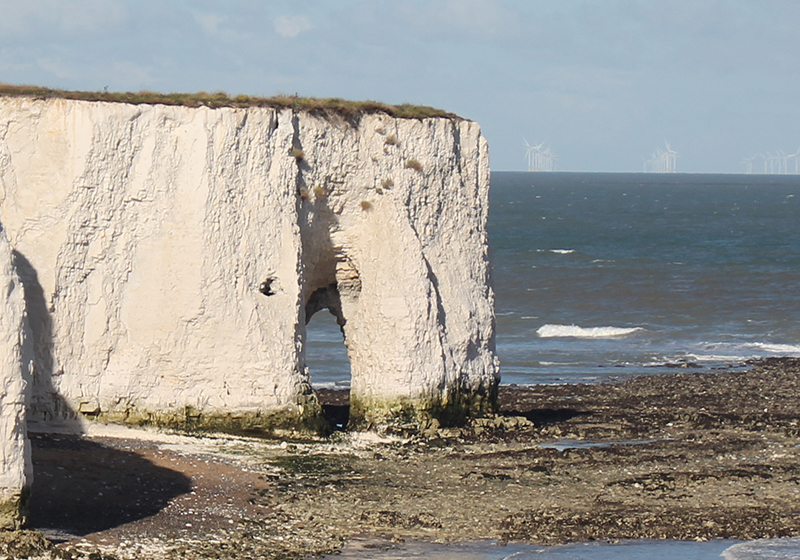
point(773, 549)
point(602, 276)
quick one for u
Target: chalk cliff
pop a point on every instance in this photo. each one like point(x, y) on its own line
point(15, 356)
point(172, 255)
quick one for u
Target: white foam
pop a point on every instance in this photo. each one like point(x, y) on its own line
point(783, 349)
point(330, 384)
point(562, 251)
point(574, 331)
point(765, 549)
point(718, 357)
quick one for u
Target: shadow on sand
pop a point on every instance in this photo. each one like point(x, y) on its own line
point(82, 487)
point(79, 486)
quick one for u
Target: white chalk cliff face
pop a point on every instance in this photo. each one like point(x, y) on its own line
point(15, 356)
point(170, 257)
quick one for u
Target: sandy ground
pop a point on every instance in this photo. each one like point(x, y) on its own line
point(684, 456)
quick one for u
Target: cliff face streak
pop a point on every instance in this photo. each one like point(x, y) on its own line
point(169, 256)
point(15, 360)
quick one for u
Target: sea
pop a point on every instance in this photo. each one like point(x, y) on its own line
point(604, 276)
point(767, 549)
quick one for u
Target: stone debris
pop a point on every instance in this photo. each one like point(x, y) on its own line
point(684, 456)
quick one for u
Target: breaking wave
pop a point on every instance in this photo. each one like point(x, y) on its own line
point(574, 331)
point(783, 349)
point(775, 549)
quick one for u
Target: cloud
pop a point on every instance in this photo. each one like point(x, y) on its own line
point(68, 17)
point(453, 20)
point(56, 67)
point(131, 75)
point(209, 22)
point(292, 26)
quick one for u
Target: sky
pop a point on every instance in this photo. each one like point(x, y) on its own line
point(603, 83)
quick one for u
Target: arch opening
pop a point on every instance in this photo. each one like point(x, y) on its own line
point(326, 355)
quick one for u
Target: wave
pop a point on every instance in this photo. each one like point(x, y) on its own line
point(556, 251)
point(723, 352)
point(776, 348)
point(336, 385)
point(719, 358)
point(574, 331)
point(777, 549)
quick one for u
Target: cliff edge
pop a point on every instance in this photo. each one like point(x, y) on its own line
point(171, 257)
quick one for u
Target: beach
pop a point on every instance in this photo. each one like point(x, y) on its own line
point(695, 455)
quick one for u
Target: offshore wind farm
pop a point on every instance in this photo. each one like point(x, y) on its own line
point(774, 163)
point(541, 158)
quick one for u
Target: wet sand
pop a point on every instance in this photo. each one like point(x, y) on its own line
point(689, 456)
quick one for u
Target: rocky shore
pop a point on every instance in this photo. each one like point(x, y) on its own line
point(683, 456)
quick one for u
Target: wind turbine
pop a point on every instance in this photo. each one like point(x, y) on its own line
point(532, 154)
point(786, 159)
point(538, 159)
point(549, 163)
point(663, 161)
point(528, 152)
point(783, 162)
point(672, 159)
point(773, 164)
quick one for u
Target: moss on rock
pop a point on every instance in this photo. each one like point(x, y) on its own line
point(454, 410)
point(300, 421)
point(14, 510)
point(23, 544)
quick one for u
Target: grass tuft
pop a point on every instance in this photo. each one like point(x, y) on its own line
point(217, 99)
point(414, 164)
point(366, 205)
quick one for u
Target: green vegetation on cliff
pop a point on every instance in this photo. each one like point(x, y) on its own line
point(221, 99)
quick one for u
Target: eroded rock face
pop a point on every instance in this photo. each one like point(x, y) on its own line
point(15, 451)
point(170, 255)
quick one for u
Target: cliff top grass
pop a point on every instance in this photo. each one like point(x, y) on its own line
point(335, 105)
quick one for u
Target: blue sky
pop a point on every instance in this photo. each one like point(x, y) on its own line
point(602, 82)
